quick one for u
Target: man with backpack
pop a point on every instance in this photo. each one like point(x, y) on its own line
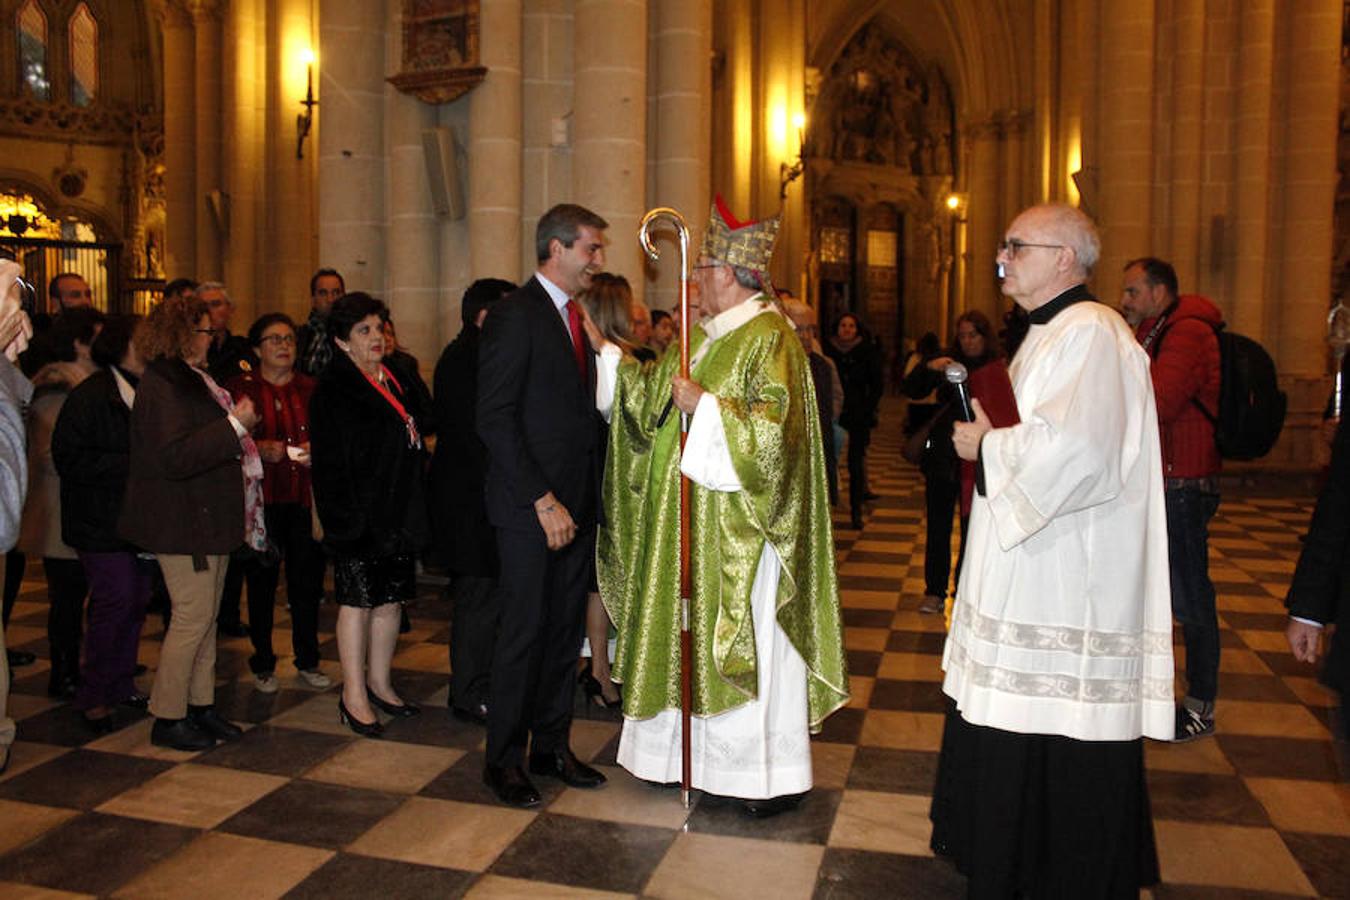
point(1180, 335)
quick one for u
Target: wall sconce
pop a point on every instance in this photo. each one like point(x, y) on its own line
point(788, 173)
point(956, 205)
point(305, 121)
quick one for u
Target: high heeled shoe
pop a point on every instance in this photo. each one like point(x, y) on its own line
point(591, 686)
point(402, 710)
point(365, 729)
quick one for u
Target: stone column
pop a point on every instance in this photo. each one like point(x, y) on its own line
point(495, 152)
point(206, 20)
point(984, 214)
point(1254, 113)
point(180, 143)
point(242, 163)
point(350, 148)
point(413, 255)
point(291, 235)
point(610, 102)
point(1309, 122)
point(1126, 131)
point(1187, 144)
point(683, 38)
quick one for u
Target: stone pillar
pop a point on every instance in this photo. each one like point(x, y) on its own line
point(496, 115)
point(610, 102)
point(180, 143)
point(292, 240)
point(1187, 142)
point(413, 258)
point(1254, 113)
point(986, 220)
point(781, 83)
point(682, 152)
point(1126, 131)
point(350, 146)
point(206, 20)
point(1309, 122)
point(242, 163)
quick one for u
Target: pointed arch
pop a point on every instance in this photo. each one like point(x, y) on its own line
point(31, 31)
point(83, 32)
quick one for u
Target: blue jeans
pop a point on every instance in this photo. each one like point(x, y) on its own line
point(1189, 509)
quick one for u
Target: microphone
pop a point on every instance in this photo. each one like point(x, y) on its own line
point(956, 377)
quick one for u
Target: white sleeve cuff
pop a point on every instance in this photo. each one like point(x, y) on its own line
point(606, 378)
point(707, 459)
point(1307, 621)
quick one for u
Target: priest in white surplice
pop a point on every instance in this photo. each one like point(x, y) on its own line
point(768, 659)
point(1060, 652)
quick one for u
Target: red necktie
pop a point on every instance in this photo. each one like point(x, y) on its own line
point(578, 342)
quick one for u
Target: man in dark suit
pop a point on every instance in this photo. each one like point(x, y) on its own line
point(537, 418)
point(1319, 593)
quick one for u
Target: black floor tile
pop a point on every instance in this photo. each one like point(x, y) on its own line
point(916, 696)
point(1254, 621)
point(1263, 688)
point(842, 727)
point(60, 725)
point(351, 877)
point(866, 618)
point(81, 779)
point(869, 583)
point(435, 727)
point(1325, 859)
point(585, 853)
point(809, 823)
point(94, 853)
point(862, 874)
point(1276, 757)
point(917, 642)
point(896, 771)
point(1202, 797)
point(863, 662)
point(333, 815)
point(239, 701)
point(464, 782)
point(275, 751)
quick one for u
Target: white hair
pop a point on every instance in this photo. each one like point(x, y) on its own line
point(1077, 230)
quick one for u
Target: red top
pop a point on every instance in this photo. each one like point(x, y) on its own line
point(988, 384)
point(1185, 365)
point(283, 415)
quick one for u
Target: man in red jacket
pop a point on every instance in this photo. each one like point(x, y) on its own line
point(1178, 334)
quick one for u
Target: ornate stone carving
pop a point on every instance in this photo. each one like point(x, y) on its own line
point(440, 49)
point(106, 123)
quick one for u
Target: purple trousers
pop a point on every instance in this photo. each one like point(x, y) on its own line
point(119, 589)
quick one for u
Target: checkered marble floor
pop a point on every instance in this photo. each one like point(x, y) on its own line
point(300, 807)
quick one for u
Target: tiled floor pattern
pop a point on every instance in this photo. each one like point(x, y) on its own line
point(302, 808)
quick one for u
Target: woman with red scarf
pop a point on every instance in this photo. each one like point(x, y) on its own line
point(368, 472)
point(281, 395)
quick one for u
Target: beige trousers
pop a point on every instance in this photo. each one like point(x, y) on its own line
point(187, 661)
point(6, 723)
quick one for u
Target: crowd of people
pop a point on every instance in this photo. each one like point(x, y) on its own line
point(165, 463)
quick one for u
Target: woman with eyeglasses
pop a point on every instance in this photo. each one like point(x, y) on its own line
point(280, 394)
point(369, 487)
point(194, 495)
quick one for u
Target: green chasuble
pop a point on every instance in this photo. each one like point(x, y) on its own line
point(762, 382)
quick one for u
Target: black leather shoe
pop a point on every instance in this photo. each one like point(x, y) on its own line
point(400, 710)
point(232, 629)
point(511, 785)
point(564, 766)
point(180, 734)
point(763, 809)
point(137, 701)
point(208, 720)
point(476, 714)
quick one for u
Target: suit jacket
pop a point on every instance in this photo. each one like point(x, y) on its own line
point(1320, 588)
point(536, 413)
point(185, 489)
point(464, 540)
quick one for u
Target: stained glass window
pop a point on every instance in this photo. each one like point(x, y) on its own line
point(83, 56)
point(32, 31)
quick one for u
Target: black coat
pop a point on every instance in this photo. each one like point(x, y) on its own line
point(185, 489)
point(1320, 588)
point(536, 413)
point(234, 356)
point(860, 373)
point(369, 484)
point(91, 449)
point(463, 537)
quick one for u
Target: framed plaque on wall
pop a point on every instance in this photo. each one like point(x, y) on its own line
point(440, 49)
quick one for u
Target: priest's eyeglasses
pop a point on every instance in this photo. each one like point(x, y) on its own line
point(1013, 247)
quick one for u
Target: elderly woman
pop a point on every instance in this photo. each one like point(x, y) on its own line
point(281, 396)
point(91, 450)
point(196, 489)
point(368, 471)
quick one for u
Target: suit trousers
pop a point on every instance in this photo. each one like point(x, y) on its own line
point(473, 635)
point(187, 661)
point(534, 665)
point(6, 723)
